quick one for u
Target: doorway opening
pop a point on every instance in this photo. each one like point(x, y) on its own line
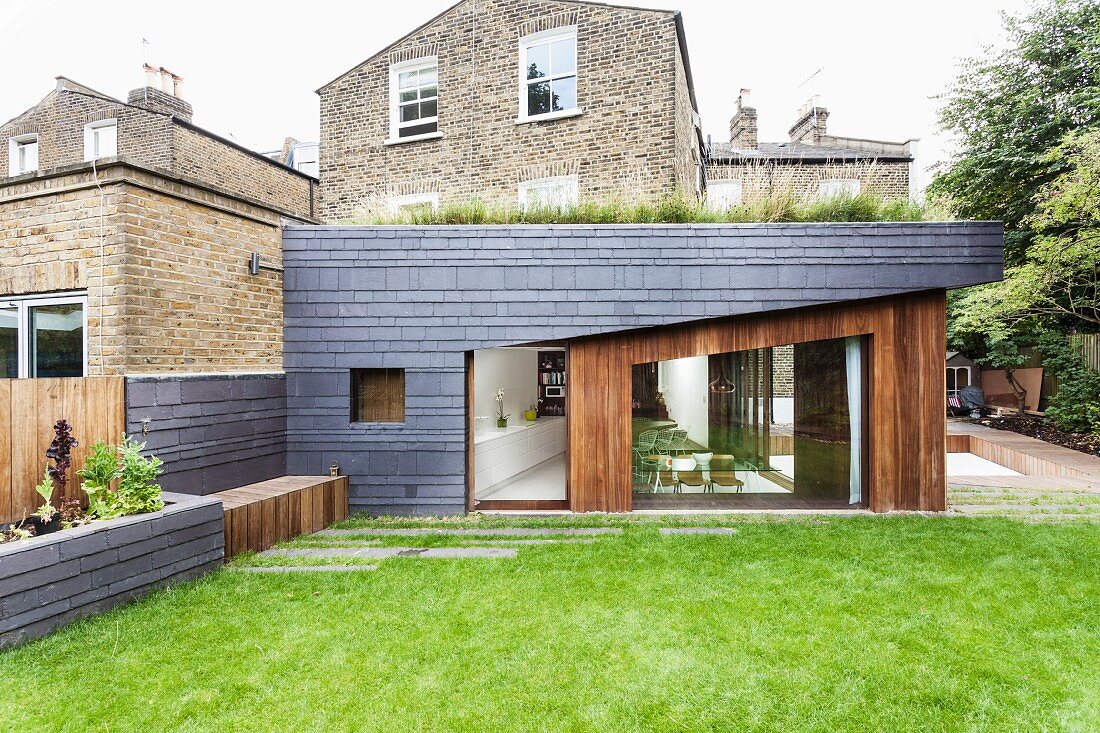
point(518, 438)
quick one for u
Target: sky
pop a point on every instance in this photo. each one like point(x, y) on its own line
point(250, 68)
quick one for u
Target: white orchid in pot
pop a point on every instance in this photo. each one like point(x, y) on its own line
point(502, 419)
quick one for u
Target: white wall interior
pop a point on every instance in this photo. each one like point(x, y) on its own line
point(686, 387)
point(514, 370)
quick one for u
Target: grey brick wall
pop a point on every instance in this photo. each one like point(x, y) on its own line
point(52, 580)
point(213, 431)
point(418, 298)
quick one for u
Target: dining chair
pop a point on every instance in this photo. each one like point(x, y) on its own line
point(643, 447)
point(677, 441)
point(725, 480)
point(691, 478)
point(664, 440)
point(666, 479)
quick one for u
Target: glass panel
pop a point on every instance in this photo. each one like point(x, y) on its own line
point(417, 129)
point(57, 340)
point(9, 343)
point(406, 79)
point(428, 92)
point(427, 109)
point(538, 61)
point(427, 76)
point(563, 56)
point(106, 141)
point(565, 93)
point(410, 112)
point(407, 96)
point(777, 426)
point(538, 98)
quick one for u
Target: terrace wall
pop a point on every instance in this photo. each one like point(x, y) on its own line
point(54, 579)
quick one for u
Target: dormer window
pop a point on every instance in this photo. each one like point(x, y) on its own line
point(414, 100)
point(548, 75)
point(100, 139)
point(22, 154)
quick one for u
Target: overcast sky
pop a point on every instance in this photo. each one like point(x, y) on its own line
point(250, 68)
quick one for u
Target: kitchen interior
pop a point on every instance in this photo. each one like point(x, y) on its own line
point(520, 457)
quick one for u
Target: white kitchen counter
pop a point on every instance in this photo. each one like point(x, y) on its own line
point(501, 453)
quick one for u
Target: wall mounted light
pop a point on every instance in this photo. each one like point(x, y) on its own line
point(254, 265)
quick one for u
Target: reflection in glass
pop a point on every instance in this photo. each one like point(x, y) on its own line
point(565, 93)
point(538, 98)
point(538, 61)
point(9, 343)
point(764, 426)
point(563, 56)
point(57, 340)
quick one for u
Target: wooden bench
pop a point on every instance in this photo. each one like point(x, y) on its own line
point(258, 516)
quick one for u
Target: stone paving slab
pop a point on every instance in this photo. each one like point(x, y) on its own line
point(466, 531)
point(305, 568)
point(434, 552)
point(697, 530)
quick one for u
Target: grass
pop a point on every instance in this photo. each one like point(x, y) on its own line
point(827, 624)
point(676, 209)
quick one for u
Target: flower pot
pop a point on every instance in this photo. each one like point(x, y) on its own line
point(42, 526)
point(530, 415)
point(502, 423)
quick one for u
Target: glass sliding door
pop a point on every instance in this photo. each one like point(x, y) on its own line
point(779, 426)
point(43, 336)
point(9, 341)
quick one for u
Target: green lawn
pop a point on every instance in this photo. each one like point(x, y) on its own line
point(841, 624)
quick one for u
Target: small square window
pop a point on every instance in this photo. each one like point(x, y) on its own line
point(22, 154)
point(556, 192)
point(378, 395)
point(723, 195)
point(100, 140)
point(838, 188)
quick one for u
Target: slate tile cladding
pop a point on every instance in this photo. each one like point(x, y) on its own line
point(214, 431)
point(418, 298)
point(52, 580)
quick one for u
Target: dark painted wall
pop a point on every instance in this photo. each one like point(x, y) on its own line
point(213, 432)
point(419, 297)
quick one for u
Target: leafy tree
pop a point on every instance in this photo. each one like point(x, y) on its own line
point(1010, 109)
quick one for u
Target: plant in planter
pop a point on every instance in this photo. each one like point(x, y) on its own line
point(47, 519)
point(60, 452)
point(14, 533)
point(137, 491)
point(502, 419)
point(530, 414)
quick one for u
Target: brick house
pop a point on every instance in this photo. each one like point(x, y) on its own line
point(811, 164)
point(514, 100)
point(126, 233)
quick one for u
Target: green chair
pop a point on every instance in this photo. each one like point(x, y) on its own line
point(642, 448)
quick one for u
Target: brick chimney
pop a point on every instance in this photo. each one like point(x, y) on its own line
point(810, 126)
point(163, 92)
point(743, 133)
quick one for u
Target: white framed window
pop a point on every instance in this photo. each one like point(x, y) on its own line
point(305, 158)
point(44, 336)
point(414, 100)
point(22, 154)
point(413, 201)
point(723, 195)
point(100, 139)
point(835, 187)
point(957, 378)
point(548, 75)
point(556, 192)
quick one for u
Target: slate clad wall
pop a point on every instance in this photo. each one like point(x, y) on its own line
point(51, 580)
point(419, 297)
point(213, 432)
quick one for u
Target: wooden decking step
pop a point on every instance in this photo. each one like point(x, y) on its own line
point(305, 568)
point(466, 532)
point(259, 516)
point(697, 530)
point(383, 552)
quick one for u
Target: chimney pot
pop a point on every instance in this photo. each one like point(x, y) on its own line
point(743, 124)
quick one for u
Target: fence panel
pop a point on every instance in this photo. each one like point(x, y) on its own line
point(1088, 346)
point(94, 406)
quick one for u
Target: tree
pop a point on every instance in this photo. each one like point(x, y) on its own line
point(1010, 109)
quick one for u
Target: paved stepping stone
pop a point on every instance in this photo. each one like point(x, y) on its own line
point(697, 530)
point(445, 552)
point(559, 541)
point(466, 531)
point(305, 568)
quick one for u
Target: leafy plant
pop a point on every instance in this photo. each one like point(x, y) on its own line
point(138, 489)
point(60, 452)
point(100, 469)
point(1075, 407)
point(45, 490)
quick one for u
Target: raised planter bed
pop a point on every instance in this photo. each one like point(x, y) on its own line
point(49, 581)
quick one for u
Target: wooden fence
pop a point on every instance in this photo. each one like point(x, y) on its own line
point(94, 406)
point(1088, 346)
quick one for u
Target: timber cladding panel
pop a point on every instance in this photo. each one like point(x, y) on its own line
point(422, 298)
point(906, 434)
point(94, 406)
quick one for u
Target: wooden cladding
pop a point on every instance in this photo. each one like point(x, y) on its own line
point(260, 515)
point(378, 395)
point(94, 406)
point(905, 353)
